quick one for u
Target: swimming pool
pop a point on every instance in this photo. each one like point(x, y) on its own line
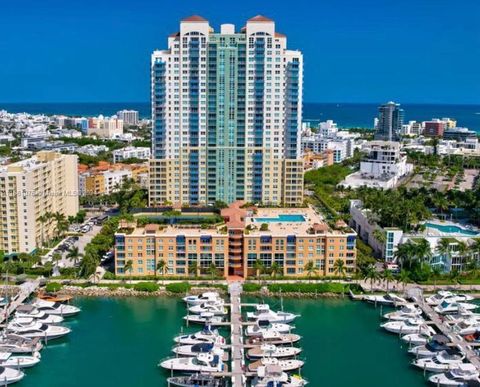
point(451, 229)
point(281, 218)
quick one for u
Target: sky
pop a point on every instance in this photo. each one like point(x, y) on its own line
point(410, 51)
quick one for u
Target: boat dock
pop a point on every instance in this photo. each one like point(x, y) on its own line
point(26, 290)
point(238, 360)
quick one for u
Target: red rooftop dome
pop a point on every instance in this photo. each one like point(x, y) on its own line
point(260, 19)
point(194, 18)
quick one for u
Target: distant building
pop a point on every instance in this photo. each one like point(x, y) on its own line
point(382, 167)
point(459, 134)
point(45, 183)
point(105, 127)
point(131, 152)
point(390, 121)
point(434, 128)
point(129, 117)
point(327, 129)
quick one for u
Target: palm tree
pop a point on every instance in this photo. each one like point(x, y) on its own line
point(404, 278)
point(259, 267)
point(444, 248)
point(388, 277)
point(213, 271)
point(194, 269)
point(42, 219)
point(161, 267)
point(373, 275)
point(310, 269)
point(61, 223)
point(275, 269)
point(73, 255)
point(339, 268)
point(129, 267)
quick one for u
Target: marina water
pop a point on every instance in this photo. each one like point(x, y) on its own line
point(118, 342)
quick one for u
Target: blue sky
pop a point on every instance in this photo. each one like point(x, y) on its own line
point(354, 50)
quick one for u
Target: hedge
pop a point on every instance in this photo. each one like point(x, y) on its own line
point(149, 287)
point(53, 287)
point(331, 287)
point(179, 287)
point(248, 287)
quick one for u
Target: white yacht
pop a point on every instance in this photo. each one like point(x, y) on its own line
point(441, 362)
point(29, 311)
point(207, 297)
point(407, 311)
point(273, 337)
point(387, 299)
point(417, 338)
point(273, 376)
point(263, 312)
point(443, 295)
point(56, 308)
point(447, 307)
point(203, 362)
point(207, 335)
point(37, 329)
point(285, 365)
point(10, 375)
point(195, 349)
point(270, 350)
point(412, 325)
point(19, 344)
point(461, 375)
point(218, 309)
point(437, 344)
point(22, 361)
point(262, 327)
point(206, 318)
point(466, 326)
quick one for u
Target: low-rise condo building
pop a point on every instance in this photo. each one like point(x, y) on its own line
point(282, 237)
point(131, 152)
point(44, 184)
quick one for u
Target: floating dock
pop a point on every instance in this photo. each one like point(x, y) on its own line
point(26, 290)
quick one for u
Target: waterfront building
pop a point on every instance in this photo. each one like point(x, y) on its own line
point(288, 237)
point(227, 113)
point(129, 117)
point(131, 152)
point(327, 128)
point(385, 241)
point(390, 121)
point(434, 128)
point(45, 183)
point(459, 134)
point(382, 167)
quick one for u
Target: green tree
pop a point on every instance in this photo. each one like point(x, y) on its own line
point(339, 268)
point(213, 271)
point(275, 269)
point(161, 267)
point(404, 278)
point(194, 269)
point(259, 267)
point(388, 277)
point(129, 268)
point(310, 269)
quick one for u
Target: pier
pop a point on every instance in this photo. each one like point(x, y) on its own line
point(238, 361)
point(26, 290)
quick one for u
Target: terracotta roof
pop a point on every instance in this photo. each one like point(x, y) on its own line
point(260, 19)
point(279, 35)
point(175, 34)
point(194, 18)
point(234, 215)
point(151, 227)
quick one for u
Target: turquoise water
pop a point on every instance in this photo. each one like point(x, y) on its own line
point(118, 343)
point(281, 218)
point(451, 229)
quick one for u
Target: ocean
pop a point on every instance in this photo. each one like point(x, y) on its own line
point(347, 115)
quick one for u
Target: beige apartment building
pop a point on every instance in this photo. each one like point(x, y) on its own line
point(291, 239)
point(45, 183)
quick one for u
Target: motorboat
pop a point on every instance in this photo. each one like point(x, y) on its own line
point(387, 299)
point(447, 307)
point(10, 375)
point(196, 380)
point(207, 335)
point(437, 344)
point(56, 308)
point(442, 362)
point(417, 338)
point(22, 361)
point(262, 326)
point(263, 312)
point(466, 327)
point(407, 311)
point(194, 350)
point(412, 325)
point(463, 314)
point(206, 318)
point(29, 311)
point(53, 297)
point(37, 329)
point(217, 309)
point(270, 350)
point(461, 375)
point(203, 362)
point(273, 337)
point(207, 297)
point(19, 344)
point(443, 295)
point(273, 376)
point(285, 365)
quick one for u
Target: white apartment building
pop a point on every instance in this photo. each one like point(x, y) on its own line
point(327, 129)
point(45, 183)
point(105, 127)
point(131, 152)
point(382, 167)
point(129, 117)
point(227, 113)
